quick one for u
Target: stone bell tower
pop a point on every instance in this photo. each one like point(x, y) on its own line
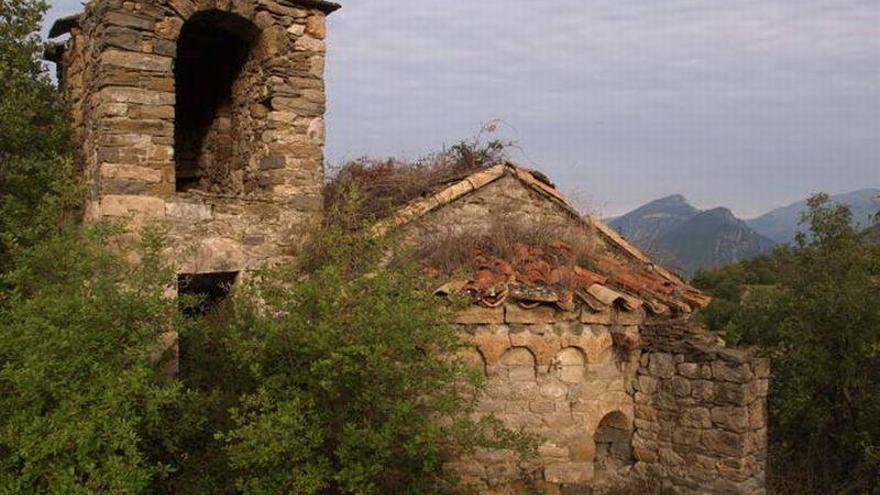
point(207, 115)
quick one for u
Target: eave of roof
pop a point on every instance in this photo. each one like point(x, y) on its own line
point(322, 5)
point(63, 25)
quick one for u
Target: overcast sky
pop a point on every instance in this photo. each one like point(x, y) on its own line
point(749, 104)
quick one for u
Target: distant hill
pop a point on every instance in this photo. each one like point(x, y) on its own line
point(687, 239)
point(711, 239)
point(649, 222)
point(781, 224)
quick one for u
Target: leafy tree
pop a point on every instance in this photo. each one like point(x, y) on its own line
point(85, 406)
point(820, 322)
point(36, 185)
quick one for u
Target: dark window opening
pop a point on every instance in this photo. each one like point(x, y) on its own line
point(613, 440)
point(211, 51)
point(200, 293)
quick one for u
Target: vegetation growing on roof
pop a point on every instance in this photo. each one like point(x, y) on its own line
point(505, 238)
point(384, 185)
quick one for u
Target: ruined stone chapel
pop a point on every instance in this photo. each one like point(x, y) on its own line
point(208, 116)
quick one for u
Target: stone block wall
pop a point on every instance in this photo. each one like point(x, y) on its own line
point(563, 381)
point(678, 408)
point(253, 183)
point(700, 413)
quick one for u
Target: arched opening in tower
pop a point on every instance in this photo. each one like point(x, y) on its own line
point(210, 75)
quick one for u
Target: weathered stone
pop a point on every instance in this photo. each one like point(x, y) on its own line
point(130, 21)
point(553, 452)
point(553, 390)
point(687, 436)
point(296, 29)
point(135, 95)
point(730, 393)
point(299, 105)
point(248, 193)
point(273, 161)
point(316, 27)
point(724, 442)
point(278, 8)
point(731, 418)
point(316, 130)
point(119, 37)
point(477, 315)
point(647, 384)
point(213, 255)
point(681, 387)
point(661, 365)
point(542, 406)
point(734, 469)
point(758, 415)
point(152, 112)
point(124, 205)
point(316, 66)
point(190, 212)
point(761, 367)
point(169, 27)
point(309, 44)
point(689, 370)
point(645, 455)
point(702, 389)
point(568, 473)
point(134, 172)
point(259, 111)
point(696, 417)
point(731, 373)
point(513, 313)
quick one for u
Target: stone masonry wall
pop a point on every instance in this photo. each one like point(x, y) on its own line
point(700, 413)
point(118, 70)
point(560, 381)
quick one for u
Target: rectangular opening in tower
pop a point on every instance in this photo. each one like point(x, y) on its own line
point(201, 293)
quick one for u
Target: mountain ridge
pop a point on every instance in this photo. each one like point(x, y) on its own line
point(685, 238)
point(782, 224)
point(655, 218)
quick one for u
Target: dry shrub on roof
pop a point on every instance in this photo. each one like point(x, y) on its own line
point(448, 251)
point(384, 185)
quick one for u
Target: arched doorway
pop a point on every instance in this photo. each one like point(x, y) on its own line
point(613, 439)
point(212, 51)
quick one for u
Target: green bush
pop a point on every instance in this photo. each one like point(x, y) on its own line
point(84, 404)
point(356, 388)
point(36, 172)
point(820, 323)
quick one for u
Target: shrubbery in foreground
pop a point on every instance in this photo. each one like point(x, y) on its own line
point(342, 381)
